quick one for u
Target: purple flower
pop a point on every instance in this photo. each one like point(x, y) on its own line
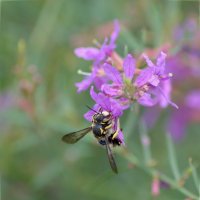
point(110, 105)
point(154, 83)
point(98, 56)
point(121, 86)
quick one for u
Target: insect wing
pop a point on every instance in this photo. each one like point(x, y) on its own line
point(74, 137)
point(110, 156)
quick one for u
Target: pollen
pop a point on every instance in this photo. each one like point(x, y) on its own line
point(170, 74)
point(101, 72)
point(105, 113)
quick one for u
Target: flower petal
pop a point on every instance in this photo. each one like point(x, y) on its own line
point(147, 100)
point(112, 89)
point(120, 136)
point(99, 81)
point(129, 66)
point(101, 99)
point(115, 33)
point(148, 61)
point(116, 108)
point(104, 102)
point(154, 80)
point(167, 98)
point(160, 68)
point(84, 84)
point(144, 77)
point(93, 94)
point(87, 53)
point(161, 59)
point(107, 103)
point(192, 99)
point(88, 115)
point(166, 88)
point(112, 73)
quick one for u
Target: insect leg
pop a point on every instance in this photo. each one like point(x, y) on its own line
point(117, 131)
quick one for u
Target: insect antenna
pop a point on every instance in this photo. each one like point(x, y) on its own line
point(92, 109)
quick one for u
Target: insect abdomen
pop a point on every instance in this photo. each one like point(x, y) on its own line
point(97, 130)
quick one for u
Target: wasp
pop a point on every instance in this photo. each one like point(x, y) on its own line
point(102, 129)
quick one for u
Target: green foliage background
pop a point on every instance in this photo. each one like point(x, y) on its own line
point(34, 163)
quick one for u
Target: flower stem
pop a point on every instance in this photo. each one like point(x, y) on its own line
point(145, 141)
point(172, 157)
point(152, 172)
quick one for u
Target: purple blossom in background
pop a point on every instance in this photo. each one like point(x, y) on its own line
point(185, 66)
point(151, 116)
point(189, 112)
point(7, 101)
point(187, 29)
point(178, 123)
point(192, 100)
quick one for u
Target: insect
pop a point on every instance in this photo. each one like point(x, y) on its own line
point(102, 123)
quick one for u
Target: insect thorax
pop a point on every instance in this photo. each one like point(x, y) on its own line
point(101, 124)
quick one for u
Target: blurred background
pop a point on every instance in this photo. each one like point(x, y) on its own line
point(39, 102)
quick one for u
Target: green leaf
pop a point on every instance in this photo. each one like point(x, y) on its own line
point(194, 175)
point(131, 40)
point(172, 157)
point(145, 141)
